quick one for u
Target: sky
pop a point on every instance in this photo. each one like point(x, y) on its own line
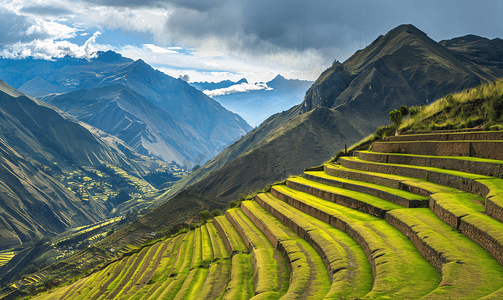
point(214, 40)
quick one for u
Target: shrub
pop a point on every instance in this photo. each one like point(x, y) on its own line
point(496, 127)
point(233, 204)
point(404, 110)
point(216, 213)
point(414, 110)
point(395, 116)
point(205, 215)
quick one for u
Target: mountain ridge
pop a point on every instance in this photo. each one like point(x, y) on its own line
point(363, 89)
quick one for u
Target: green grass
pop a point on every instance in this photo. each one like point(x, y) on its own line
point(461, 110)
point(356, 196)
point(400, 271)
point(241, 284)
point(138, 279)
point(219, 249)
point(206, 247)
point(193, 284)
point(372, 189)
point(217, 280)
point(235, 240)
point(466, 158)
point(354, 277)
point(309, 278)
point(272, 276)
point(430, 169)
point(468, 272)
point(160, 279)
point(179, 272)
point(197, 256)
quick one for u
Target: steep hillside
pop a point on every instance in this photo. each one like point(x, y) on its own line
point(37, 144)
point(143, 125)
point(478, 49)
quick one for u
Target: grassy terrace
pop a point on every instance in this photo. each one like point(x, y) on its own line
point(466, 164)
point(230, 233)
point(309, 278)
point(397, 196)
point(206, 246)
point(197, 255)
point(241, 284)
point(356, 200)
point(455, 179)
point(219, 270)
point(180, 269)
point(468, 272)
point(489, 186)
point(269, 266)
point(400, 272)
point(346, 263)
point(159, 279)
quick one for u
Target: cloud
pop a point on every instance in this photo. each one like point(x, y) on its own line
point(157, 49)
point(49, 49)
point(45, 10)
point(237, 88)
point(51, 29)
point(184, 77)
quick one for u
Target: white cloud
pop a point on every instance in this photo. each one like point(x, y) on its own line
point(53, 29)
point(237, 88)
point(157, 49)
point(49, 49)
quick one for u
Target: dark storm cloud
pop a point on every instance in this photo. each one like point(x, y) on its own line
point(260, 27)
point(14, 28)
point(190, 4)
point(45, 10)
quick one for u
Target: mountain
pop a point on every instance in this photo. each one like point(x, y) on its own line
point(206, 126)
point(255, 106)
point(143, 125)
point(38, 144)
point(404, 67)
point(478, 49)
point(216, 85)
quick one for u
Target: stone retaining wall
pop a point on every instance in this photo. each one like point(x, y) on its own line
point(339, 199)
point(482, 149)
point(299, 231)
point(240, 230)
point(443, 214)
point(468, 227)
point(494, 210)
point(457, 182)
point(370, 191)
point(434, 257)
point(348, 174)
point(468, 166)
point(448, 136)
point(221, 231)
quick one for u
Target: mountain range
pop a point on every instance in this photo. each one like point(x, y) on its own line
point(255, 106)
point(403, 67)
point(197, 127)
